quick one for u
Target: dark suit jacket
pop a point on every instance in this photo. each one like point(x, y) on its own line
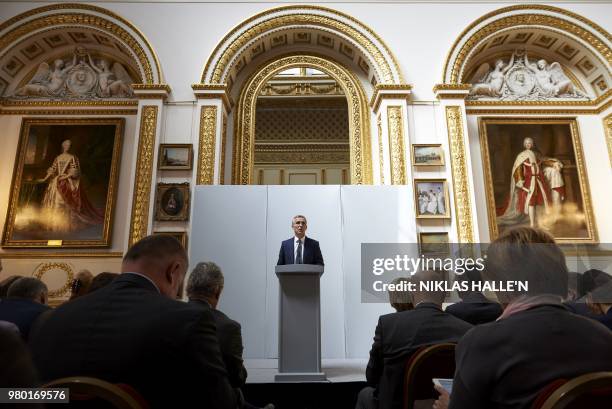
point(606, 319)
point(230, 341)
point(505, 364)
point(399, 335)
point(310, 255)
point(475, 309)
point(21, 312)
point(128, 333)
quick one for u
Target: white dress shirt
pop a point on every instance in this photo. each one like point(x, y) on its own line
point(295, 246)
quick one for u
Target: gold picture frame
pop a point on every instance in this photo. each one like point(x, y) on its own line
point(64, 183)
point(422, 160)
point(438, 242)
point(181, 236)
point(172, 202)
point(568, 216)
point(175, 156)
point(427, 199)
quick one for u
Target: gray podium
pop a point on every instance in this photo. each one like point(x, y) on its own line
point(299, 332)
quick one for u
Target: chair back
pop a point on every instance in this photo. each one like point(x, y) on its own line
point(592, 390)
point(435, 361)
point(95, 393)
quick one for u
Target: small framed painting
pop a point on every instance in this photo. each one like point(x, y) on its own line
point(181, 236)
point(175, 156)
point(427, 155)
point(172, 202)
point(431, 199)
point(434, 243)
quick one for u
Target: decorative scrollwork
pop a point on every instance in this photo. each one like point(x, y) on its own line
point(144, 173)
point(208, 136)
point(463, 207)
point(396, 145)
point(46, 267)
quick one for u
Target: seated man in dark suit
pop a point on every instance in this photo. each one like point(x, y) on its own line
point(26, 300)
point(300, 249)
point(600, 302)
point(506, 363)
point(399, 335)
point(204, 289)
point(134, 331)
point(474, 307)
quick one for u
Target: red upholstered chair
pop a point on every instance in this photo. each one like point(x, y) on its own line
point(546, 392)
point(95, 393)
point(592, 390)
point(435, 361)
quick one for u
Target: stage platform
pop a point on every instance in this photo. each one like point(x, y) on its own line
point(337, 370)
point(345, 378)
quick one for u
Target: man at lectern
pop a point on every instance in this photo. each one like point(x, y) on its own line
point(300, 249)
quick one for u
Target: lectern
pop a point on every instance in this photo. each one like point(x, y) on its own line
point(299, 333)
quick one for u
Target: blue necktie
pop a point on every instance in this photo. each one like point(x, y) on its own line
point(298, 253)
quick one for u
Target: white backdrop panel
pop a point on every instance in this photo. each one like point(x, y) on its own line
point(370, 214)
point(321, 206)
point(241, 228)
point(229, 228)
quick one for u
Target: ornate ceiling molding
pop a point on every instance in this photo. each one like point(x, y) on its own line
point(89, 17)
point(224, 56)
point(552, 19)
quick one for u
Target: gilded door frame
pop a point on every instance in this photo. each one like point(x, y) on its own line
point(359, 116)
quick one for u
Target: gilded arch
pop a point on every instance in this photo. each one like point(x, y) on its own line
point(96, 18)
point(224, 55)
point(359, 123)
point(548, 17)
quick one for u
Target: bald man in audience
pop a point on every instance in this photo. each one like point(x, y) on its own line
point(134, 331)
point(399, 335)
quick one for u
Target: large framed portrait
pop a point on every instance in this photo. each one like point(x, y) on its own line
point(64, 183)
point(431, 199)
point(537, 177)
point(172, 202)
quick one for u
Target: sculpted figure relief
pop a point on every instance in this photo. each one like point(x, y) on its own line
point(521, 79)
point(82, 78)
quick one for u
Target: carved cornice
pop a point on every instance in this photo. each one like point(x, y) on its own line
point(396, 145)
point(389, 91)
point(301, 153)
point(461, 189)
point(451, 91)
point(49, 112)
point(144, 173)
point(77, 104)
point(151, 91)
point(214, 91)
point(208, 136)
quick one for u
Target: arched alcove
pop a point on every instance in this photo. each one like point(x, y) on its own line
point(580, 47)
point(60, 31)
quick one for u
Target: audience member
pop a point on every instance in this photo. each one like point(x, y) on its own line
point(6, 283)
point(16, 368)
point(474, 307)
point(505, 364)
point(26, 300)
point(586, 283)
point(400, 299)
point(600, 302)
point(204, 289)
point(102, 280)
point(134, 331)
point(398, 335)
point(81, 283)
